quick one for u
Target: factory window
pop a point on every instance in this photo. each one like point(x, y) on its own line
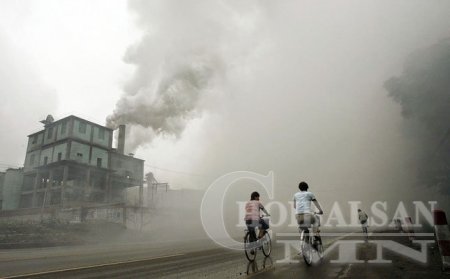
point(34, 139)
point(82, 128)
point(59, 156)
point(101, 133)
point(32, 159)
point(50, 133)
point(99, 162)
point(63, 127)
point(45, 160)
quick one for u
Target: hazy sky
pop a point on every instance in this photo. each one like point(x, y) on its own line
point(217, 86)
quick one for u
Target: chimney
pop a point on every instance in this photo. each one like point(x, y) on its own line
point(121, 140)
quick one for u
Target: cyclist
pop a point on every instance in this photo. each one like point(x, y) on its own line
point(302, 205)
point(362, 216)
point(252, 216)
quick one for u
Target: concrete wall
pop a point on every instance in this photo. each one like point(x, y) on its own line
point(48, 152)
point(80, 132)
point(126, 165)
point(99, 153)
point(63, 129)
point(101, 138)
point(38, 138)
point(29, 164)
point(79, 148)
point(69, 128)
point(72, 215)
point(12, 187)
point(52, 155)
point(49, 134)
point(61, 148)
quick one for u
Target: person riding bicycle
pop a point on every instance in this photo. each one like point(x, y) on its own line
point(362, 216)
point(302, 205)
point(252, 216)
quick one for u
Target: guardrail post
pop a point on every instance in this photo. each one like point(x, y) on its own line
point(442, 234)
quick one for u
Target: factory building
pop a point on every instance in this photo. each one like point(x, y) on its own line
point(71, 163)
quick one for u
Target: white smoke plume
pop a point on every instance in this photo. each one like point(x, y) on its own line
point(185, 52)
point(293, 87)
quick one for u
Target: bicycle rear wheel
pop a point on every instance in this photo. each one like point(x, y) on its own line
point(320, 252)
point(366, 235)
point(307, 249)
point(266, 244)
point(249, 247)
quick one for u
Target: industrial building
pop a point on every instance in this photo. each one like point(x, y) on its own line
point(72, 163)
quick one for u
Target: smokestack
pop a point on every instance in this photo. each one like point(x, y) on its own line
point(121, 140)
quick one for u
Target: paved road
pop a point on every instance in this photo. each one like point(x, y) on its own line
point(185, 260)
point(394, 248)
point(144, 260)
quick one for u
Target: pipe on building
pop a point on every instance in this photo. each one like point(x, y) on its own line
point(121, 140)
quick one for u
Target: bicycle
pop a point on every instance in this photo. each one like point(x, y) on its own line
point(252, 267)
point(364, 229)
point(251, 247)
point(310, 245)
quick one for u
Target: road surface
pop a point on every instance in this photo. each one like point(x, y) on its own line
point(202, 259)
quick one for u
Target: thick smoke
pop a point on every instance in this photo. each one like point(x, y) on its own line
point(294, 87)
point(171, 100)
point(423, 91)
point(178, 65)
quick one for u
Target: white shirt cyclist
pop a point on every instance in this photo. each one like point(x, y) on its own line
point(302, 202)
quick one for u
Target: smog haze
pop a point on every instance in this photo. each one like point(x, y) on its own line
point(211, 87)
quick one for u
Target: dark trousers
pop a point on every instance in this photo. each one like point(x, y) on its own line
point(252, 224)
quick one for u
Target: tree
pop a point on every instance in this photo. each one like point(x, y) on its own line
point(423, 91)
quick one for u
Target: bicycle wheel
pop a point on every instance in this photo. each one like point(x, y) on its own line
point(266, 244)
point(307, 250)
point(320, 252)
point(249, 247)
point(366, 235)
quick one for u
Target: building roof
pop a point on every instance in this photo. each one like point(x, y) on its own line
point(125, 156)
point(68, 117)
